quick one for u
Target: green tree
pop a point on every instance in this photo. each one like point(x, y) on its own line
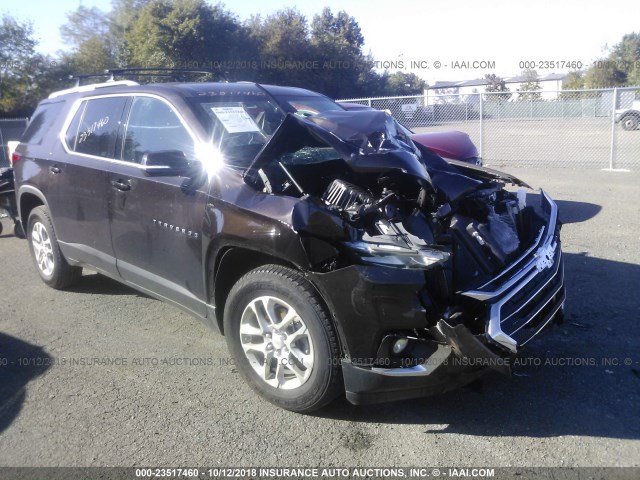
point(497, 87)
point(286, 53)
point(604, 73)
point(88, 32)
point(123, 17)
point(400, 83)
point(572, 82)
point(18, 62)
point(530, 86)
point(633, 79)
point(370, 83)
point(619, 67)
point(627, 52)
point(284, 48)
point(337, 42)
point(84, 24)
point(184, 34)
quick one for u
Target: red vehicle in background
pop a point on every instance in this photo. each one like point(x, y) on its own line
point(452, 145)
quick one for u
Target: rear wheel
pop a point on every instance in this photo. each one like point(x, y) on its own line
point(283, 340)
point(45, 251)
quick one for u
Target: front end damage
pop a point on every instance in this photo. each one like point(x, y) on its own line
point(436, 272)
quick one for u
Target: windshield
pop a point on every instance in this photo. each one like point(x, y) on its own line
point(240, 125)
point(308, 155)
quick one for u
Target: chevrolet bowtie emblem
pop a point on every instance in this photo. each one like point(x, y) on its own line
point(545, 256)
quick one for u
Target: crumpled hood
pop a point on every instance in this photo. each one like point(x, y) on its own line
point(368, 141)
point(372, 141)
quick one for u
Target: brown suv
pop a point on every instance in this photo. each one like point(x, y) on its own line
point(333, 252)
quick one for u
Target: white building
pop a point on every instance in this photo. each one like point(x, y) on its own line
point(466, 90)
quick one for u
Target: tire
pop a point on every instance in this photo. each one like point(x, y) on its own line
point(45, 251)
point(293, 364)
point(630, 122)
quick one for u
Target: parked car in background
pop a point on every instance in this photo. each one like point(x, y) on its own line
point(629, 118)
point(351, 107)
point(337, 255)
point(450, 144)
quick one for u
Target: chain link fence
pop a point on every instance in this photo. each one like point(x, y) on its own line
point(567, 128)
point(10, 129)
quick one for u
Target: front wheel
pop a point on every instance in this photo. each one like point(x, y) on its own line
point(630, 122)
point(45, 251)
point(283, 340)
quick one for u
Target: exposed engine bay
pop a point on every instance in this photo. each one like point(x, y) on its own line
point(371, 196)
point(398, 205)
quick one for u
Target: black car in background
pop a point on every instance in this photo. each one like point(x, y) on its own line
point(333, 252)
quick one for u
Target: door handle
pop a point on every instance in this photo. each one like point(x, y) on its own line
point(120, 185)
point(55, 169)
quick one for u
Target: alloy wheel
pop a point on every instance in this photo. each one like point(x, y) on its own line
point(42, 248)
point(276, 342)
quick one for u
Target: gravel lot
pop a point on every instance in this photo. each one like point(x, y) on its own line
point(155, 413)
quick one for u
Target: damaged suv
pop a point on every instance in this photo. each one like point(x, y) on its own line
point(334, 253)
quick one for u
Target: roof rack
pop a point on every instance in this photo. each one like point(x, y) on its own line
point(174, 73)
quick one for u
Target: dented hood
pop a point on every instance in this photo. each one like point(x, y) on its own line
point(485, 173)
point(372, 141)
point(368, 141)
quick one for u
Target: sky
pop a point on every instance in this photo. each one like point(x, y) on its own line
point(468, 38)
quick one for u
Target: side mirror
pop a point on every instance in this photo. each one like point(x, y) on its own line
point(173, 159)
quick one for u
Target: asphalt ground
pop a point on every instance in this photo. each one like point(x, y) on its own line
point(574, 401)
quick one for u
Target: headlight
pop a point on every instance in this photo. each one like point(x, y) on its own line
point(397, 256)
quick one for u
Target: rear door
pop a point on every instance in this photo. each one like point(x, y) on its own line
point(156, 221)
point(79, 193)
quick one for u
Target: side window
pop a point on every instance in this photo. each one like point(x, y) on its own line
point(43, 118)
point(95, 126)
point(152, 127)
point(72, 131)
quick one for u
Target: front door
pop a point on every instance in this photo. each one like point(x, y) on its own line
point(156, 221)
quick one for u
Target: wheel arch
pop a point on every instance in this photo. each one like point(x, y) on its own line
point(631, 113)
point(230, 263)
point(29, 198)
point(227, 266)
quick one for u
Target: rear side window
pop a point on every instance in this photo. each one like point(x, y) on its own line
point(94, 128)
point(42, 121)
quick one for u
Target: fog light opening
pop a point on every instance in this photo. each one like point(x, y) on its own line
point(399, 345)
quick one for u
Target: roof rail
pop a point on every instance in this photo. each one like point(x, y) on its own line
point(88, 88)
point(174, 73)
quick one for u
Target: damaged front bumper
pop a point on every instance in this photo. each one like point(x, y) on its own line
point(527, 295)
point(517, 304)
point(460, 361)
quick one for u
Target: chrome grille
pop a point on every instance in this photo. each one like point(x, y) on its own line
point(523, 301)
